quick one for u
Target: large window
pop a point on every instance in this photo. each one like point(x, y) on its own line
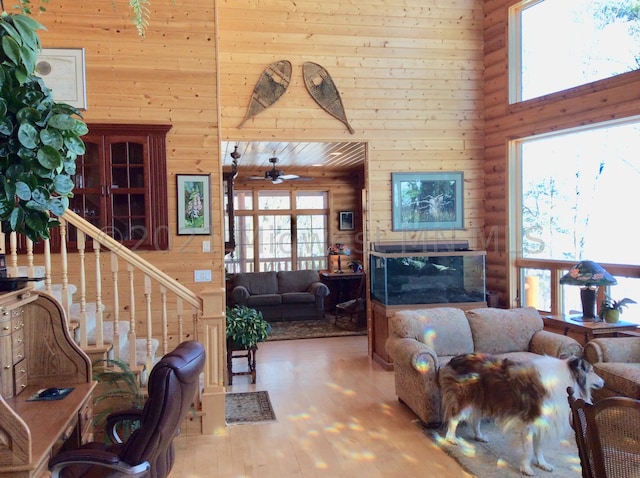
point(560, 44)
point(279, 230)
point(578, 195)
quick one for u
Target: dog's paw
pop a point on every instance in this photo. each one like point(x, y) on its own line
point(545, 466)
point(481, 438)
point(526, 470)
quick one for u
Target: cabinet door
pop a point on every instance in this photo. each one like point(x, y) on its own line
point(128, 189)
point(89, 184)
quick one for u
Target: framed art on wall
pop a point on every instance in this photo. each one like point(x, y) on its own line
point(194, 203)
point(427, 201)
point(346, 221)
point(62, 70)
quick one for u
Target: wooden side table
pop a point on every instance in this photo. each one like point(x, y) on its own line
point(586, 330)
point(342, 287)
point(236, 352)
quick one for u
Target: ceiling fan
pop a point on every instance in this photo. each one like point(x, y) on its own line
point(276, 176)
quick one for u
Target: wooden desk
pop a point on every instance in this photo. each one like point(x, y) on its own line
point(47, 356)
point(342, 287)
point(586, 330)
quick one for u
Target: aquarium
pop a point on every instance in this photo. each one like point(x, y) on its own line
point(443, 277)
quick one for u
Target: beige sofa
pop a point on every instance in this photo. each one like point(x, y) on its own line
point(617, 361)
point(423, 340)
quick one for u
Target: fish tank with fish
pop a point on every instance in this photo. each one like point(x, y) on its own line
point(443, 275)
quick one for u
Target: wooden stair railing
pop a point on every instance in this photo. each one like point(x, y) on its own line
point(142, 278)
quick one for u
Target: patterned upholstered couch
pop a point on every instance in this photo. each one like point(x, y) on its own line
point(282, 295)
point(617, 361)
point(423, 340)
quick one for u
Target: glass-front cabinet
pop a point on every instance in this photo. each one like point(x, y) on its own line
point(421, 276)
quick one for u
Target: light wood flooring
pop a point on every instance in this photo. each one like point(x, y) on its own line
point(337, 416)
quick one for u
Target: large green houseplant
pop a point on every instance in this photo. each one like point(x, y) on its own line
point(246, 326)
point(39, 138)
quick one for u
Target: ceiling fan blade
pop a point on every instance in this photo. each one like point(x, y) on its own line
point(289, 176)
point(261, 178)
point(277, 181)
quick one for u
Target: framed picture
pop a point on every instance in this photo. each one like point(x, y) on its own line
point(346, 221)
point(194, 204)
point(427, 201)
point(62, 70)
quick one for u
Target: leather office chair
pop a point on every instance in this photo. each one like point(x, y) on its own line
point(149, 450)
point(608, 436)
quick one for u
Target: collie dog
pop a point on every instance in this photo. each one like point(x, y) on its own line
point(527, 398)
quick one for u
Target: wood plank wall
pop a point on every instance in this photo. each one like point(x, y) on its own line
point(169, 77)
point(410, 73)
point(611, 99)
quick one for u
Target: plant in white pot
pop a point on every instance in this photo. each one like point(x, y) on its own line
point(610, 309)
point(39, 138)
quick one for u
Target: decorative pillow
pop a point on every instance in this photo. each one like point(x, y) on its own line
point(497, 331)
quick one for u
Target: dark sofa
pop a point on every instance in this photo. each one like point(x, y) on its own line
point(283, 295)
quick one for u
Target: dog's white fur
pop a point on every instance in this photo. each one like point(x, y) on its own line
point(528, 399)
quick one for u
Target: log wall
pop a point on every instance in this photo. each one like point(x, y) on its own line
point(610, 99)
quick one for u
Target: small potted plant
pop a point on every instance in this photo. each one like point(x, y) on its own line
point(245, 327)
point(611, 309)
point(356, 266)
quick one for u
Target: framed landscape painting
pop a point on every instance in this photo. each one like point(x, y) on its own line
point(427, 201)
point(194, 204)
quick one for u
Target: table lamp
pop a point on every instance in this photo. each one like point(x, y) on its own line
point(589, 276)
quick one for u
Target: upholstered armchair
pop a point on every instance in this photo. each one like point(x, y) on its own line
point(149, 451)
point(421, 341)
point(617, 361)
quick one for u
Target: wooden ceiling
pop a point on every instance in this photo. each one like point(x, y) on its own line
point(296, 156)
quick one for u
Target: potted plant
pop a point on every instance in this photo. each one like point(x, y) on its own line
point(355, 265)
point(611, 309)
point(245, 327)
point(39, 138)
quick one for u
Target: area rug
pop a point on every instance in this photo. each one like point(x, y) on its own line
point(313, 329)
point(248, 407)
point(500, 459)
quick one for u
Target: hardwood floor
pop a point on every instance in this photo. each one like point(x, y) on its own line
point(337, 416)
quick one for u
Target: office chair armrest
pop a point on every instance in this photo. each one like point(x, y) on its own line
point(116, 418)
point(94, 457)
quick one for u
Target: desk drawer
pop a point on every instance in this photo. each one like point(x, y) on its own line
point(85, 422)
point(20, 376)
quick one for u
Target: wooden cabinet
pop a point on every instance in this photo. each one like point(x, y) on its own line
point(38, 352)
point(120, 185)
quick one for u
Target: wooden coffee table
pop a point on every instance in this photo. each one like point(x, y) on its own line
point(589, 330)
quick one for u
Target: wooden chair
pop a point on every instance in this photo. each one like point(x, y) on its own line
point(608, 436)
point(353, 308)
point(149, 450)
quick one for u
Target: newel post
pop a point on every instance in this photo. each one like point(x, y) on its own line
point(212, 334)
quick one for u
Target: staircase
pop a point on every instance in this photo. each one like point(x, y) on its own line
point(158, 312)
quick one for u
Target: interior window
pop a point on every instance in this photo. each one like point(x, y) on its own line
point(555, 45)
point(287, 231)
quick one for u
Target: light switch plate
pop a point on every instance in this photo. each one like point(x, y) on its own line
point(202, 276)
point(206, 246)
